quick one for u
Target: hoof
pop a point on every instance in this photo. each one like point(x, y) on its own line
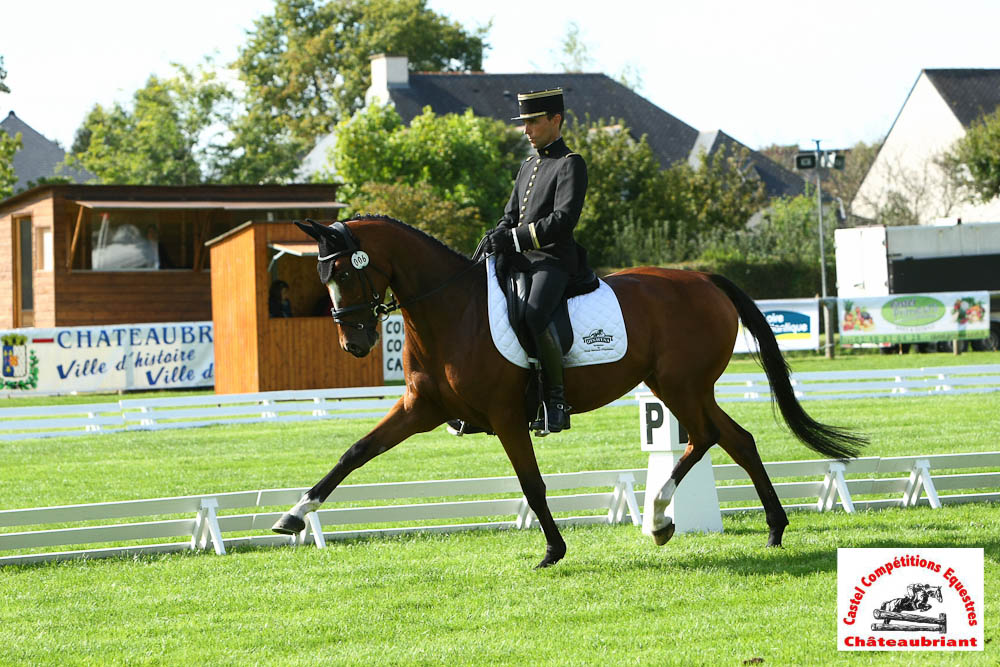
point(552, 556)
point(662, 535)
point(289, 524)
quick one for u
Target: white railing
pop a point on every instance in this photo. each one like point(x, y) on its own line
point(153, 413)
point(201, 522)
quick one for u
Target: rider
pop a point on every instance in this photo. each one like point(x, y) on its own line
point(537, 224)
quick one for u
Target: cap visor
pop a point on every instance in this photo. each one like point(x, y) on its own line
point(530, 115)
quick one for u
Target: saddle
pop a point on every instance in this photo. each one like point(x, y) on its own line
point(515, 282)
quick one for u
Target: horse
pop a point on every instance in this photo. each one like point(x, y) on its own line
point(681, 328)
point(917, 599)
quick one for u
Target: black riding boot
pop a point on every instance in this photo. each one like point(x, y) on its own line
point(550, 357)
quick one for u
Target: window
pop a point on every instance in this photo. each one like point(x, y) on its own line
point(27, 268)
point(140, 240)
point(45, 258)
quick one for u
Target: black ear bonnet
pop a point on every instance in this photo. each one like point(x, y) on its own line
point(334, 242)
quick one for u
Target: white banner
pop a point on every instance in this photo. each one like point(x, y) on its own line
point(107, 358)
point(910, 318)
point(392, 348)
point(795, 323)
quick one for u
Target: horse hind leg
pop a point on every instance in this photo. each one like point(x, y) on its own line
point(702, 434)
point(741, 447)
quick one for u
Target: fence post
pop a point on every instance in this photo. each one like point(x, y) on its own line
point(206, 527)
point(920, 478)
point(835, 485)
point(694, 506)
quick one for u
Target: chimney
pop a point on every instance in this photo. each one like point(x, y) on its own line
point(388, 72)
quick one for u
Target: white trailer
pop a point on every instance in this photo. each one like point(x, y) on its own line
point(947, 257)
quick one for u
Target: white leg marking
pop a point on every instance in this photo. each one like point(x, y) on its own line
point(304, 506)
point(660, 518)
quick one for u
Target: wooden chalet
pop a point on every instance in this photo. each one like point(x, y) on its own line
point(256, 350)
point(73, 255)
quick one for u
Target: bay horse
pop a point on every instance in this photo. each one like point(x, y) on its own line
point(681, 328)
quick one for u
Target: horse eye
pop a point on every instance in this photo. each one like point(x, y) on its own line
point(343, 276)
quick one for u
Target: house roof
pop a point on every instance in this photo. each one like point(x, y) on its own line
point(595, 95)
point(38, 157)
point(777, 180)
point(969, 93)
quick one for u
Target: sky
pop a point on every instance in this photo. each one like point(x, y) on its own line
point(773, 71)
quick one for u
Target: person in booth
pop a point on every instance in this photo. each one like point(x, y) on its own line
point(537, 225)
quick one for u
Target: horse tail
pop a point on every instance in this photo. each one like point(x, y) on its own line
point(831, 441)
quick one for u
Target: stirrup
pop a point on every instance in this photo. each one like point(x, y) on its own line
point(541, 424)
point(456, 427)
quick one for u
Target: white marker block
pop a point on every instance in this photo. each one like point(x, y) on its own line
point(694, 505)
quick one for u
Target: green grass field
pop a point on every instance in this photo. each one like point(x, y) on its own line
point(473, 598)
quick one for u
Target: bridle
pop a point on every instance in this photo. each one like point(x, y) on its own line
point(374, 306)
point(360, 263)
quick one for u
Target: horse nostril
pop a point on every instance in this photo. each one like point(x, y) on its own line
point(355, 349)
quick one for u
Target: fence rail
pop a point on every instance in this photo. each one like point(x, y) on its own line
point(156, 413)
point(198, 522)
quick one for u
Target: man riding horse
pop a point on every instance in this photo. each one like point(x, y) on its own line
point(536, 233)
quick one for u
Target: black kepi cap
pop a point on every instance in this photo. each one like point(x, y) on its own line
point(539, 103)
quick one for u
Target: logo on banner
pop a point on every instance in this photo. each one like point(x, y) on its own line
point(788, 324)
point(910, 599)
point(20, 364)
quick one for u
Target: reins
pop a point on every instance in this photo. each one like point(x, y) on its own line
point(383, 309)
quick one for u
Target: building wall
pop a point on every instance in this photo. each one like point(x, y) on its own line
point(234, 293)
point(924, 130)
point(40, 210)
point(255, 352)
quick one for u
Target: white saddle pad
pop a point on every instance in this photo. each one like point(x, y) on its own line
point(599, 335)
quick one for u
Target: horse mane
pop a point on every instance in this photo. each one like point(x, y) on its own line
point(419, 232)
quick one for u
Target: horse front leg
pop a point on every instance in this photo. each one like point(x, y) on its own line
point(400, 423)
point(517, 444)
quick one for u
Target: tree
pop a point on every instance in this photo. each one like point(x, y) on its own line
point(159, 139)
point(464, 159)
point(624, 185)
point(8, 146)
point(842, 184)
point(637, 212)
point(419, 205)
point(973, 163)
point(306, 67)
point(575, 53)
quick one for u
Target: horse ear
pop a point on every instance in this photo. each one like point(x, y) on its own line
point(308, 229)
point(322, 231)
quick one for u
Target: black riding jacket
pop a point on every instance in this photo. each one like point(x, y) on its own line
point(545, 206)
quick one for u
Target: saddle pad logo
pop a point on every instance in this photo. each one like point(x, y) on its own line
point(598, 339)
point(902, 599)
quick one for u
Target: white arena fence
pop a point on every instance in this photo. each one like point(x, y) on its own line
point(224, 520)
point(154, 413)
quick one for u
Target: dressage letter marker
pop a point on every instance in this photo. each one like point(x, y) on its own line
point(695, 504)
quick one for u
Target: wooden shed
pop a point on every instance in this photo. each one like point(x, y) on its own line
point(74, 255)
point(257, 352)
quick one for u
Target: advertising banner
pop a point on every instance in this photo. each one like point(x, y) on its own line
point(913, 318)
point(795, 323)
point(107, 358)
point(392, 348)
